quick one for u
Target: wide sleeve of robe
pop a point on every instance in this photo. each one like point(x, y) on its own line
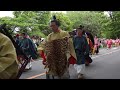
point(62, 34)
point(8, 55)
point(71, 47)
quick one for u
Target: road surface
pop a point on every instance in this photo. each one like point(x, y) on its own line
point(106, 65)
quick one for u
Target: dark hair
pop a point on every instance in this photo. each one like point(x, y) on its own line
point(81, 26)
point(24, 34)
point(57, 22)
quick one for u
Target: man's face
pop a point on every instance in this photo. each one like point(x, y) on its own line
point(23, 36)
point(79, 32)
point(53, 26)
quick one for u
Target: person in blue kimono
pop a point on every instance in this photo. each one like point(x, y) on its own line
point(28, 48)
point(81, 49)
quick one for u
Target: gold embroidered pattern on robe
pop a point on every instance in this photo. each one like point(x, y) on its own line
point(56, 56)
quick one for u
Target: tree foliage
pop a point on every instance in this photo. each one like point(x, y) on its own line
point(91, 20)
point(28, 21)
point(37, 22)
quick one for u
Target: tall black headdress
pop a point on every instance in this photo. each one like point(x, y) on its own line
point(54, 17)
point(56, 20)
point(81, 26)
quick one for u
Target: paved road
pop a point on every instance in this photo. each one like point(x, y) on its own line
point(105, 66)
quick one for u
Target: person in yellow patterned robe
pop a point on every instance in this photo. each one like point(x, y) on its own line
point(55, 35)
point(8, 59)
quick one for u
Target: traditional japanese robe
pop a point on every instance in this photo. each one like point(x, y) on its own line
point(109, 43)
point(96, 46)
point(81, 48)
point(28, 47)
point(60, 35)
point(8, 59)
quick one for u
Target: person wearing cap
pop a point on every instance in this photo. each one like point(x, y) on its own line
point(81, 49)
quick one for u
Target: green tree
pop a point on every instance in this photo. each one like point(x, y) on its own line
point(113, 27)
point(31, 21)
point(93, 21)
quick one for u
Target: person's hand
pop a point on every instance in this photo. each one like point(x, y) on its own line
point(44, 62)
